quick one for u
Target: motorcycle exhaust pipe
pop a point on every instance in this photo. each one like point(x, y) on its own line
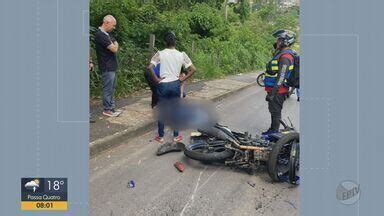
point(254, 148)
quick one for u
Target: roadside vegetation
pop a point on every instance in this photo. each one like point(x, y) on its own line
point(216, 45)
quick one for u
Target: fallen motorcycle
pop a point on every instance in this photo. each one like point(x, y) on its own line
point(279, 151)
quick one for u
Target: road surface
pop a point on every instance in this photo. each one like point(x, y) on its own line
point(201, 189)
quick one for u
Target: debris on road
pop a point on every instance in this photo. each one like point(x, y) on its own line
point(170, 147)
point(195, 133)
point(179, 166)
point(259, 205)
point(131, 184)
point(251, 184)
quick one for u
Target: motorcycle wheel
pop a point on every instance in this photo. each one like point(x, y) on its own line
point(260, 80)
point(291, 91)
point(279, 165)
point(294, 164)
point(205, 152)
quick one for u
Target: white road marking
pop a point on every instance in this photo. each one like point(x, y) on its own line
point(190, 202)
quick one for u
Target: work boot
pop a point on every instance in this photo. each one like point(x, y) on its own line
point(275, 123)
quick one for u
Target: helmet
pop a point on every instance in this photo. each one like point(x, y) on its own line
point(289, 37)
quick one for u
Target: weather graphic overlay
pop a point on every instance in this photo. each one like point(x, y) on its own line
point(44, 194)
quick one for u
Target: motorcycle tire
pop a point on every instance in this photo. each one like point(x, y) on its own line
point(294, 164)
point(193, 151)
point(291, 91)
point(272, 164)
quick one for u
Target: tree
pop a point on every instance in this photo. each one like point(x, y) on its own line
point(243, 10)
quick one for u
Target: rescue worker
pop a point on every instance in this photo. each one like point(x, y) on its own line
point(277, 70)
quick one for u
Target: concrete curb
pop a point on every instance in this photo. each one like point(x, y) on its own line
point(117, 139)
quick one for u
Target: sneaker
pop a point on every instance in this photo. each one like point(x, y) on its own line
point(109, 113)
point(159, 139)
point(117, 111)
point(178, 138)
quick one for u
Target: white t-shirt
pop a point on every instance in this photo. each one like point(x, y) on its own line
point(171, 61)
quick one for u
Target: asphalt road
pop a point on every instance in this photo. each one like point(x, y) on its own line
point(201, 189)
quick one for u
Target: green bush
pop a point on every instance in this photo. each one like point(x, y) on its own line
point(217, 47)
point(207, 22)
point(207, 66)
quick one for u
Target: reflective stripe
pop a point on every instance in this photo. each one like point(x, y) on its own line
point(269, 75)
point(275, 68)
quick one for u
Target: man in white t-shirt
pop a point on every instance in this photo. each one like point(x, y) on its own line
point(169, 81)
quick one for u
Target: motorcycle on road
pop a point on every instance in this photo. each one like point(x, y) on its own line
point(279, 152)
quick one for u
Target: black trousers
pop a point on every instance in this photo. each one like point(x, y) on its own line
point(275, 106)
point(152, 86)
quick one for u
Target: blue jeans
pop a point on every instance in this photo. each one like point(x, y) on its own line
point(109, 84)
point(167, 91)
point(298, 92)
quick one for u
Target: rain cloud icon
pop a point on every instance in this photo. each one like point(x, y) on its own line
point(32, 185)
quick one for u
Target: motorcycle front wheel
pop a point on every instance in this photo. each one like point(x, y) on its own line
point(283, 160)
point(208, 152)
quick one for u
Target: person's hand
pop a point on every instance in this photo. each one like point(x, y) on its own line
point(91, 66)
point(182, 77)
point(158, 80)
point(271, 95)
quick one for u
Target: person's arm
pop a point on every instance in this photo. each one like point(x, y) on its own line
point(113, 47)
point(90, 65)
point(187, 63)
point(190, 72)
point(154, 61)
point(284, 64)
point(107, 42)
